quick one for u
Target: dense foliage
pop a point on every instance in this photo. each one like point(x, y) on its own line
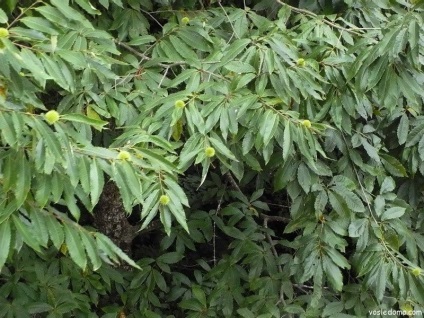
point(279, 146)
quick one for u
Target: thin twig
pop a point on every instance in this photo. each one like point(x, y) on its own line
point(266, 218)
point(274, 218)
point(218, 208)
point(274, 252)
point(147, 58)
point(151, 15)
point(315, 16)
point(233, 182)
point(387, 248)
point(232, 26)
point(23, 12)
point(163, 77)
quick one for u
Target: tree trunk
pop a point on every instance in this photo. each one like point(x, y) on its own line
point(110, 218)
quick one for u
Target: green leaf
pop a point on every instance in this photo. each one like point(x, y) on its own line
point(131, 179)
point(388, 185)
point(393, 166)
point(333, 273)
point(166, 219)
point(91, 249)
point(84, 170)
point(52, 143)
point(221, 148)
point(184, 49)
point(150, 214)
point(371, 151)
point(393, 213)
point(170, 258)
point(79, 118)
point(357, 227)
point(7, 130)
point(199, 294)
point(144, 39)
point(381, 281)
point(75, 247)
point(239, 67)
point(38, 220)
point(321, 201)
point(53, 15)
point(87, 6)
point(76, 59)
point(415, 135)
point(99, 152)
point(71, 13)
point(3, 19)
point(5, 239)
point(23, 182)
point(333, 308)
point(304, 177)
point(158, 160)
point(177, 191)
point(177, 210)
point(191, 304)
point(353, 202)
point(124, 190)
point(294, 309)
point(403, 129)
point(379, 203)
point(421, 148)
point(27, 235)
point(287, 142)
point(246, 313)
point(107, 244)
point(285, 174)
point(54, 70)
point(96, 182)
point(149, 203)
point(337, 258)
point(55, 230)
point(268, 126)
point(234, 50)
point(39, 24)
point(338, 204)
point(416, 288)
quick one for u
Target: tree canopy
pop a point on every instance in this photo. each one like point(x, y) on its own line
point(169, 158)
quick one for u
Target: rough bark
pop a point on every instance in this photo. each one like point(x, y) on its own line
point(110, 218)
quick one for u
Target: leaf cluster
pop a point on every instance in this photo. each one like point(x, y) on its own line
point(302, 132)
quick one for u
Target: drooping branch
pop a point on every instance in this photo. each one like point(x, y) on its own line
point(353, 30)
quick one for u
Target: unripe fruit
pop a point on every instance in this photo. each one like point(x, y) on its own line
point(91, 113)
point(164, 199)
point(416, 271)
point(4, 33)
point(407, 308)
point(306, 123)
point(210, 152)
point(51, 116)
point(301, 62)
point(64, 249)
point(3, 91)
point(124, 155)
point(179, 104)
point(185, 20)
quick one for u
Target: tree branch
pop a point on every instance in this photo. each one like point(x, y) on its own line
point(315, 16)
point(147, 58)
